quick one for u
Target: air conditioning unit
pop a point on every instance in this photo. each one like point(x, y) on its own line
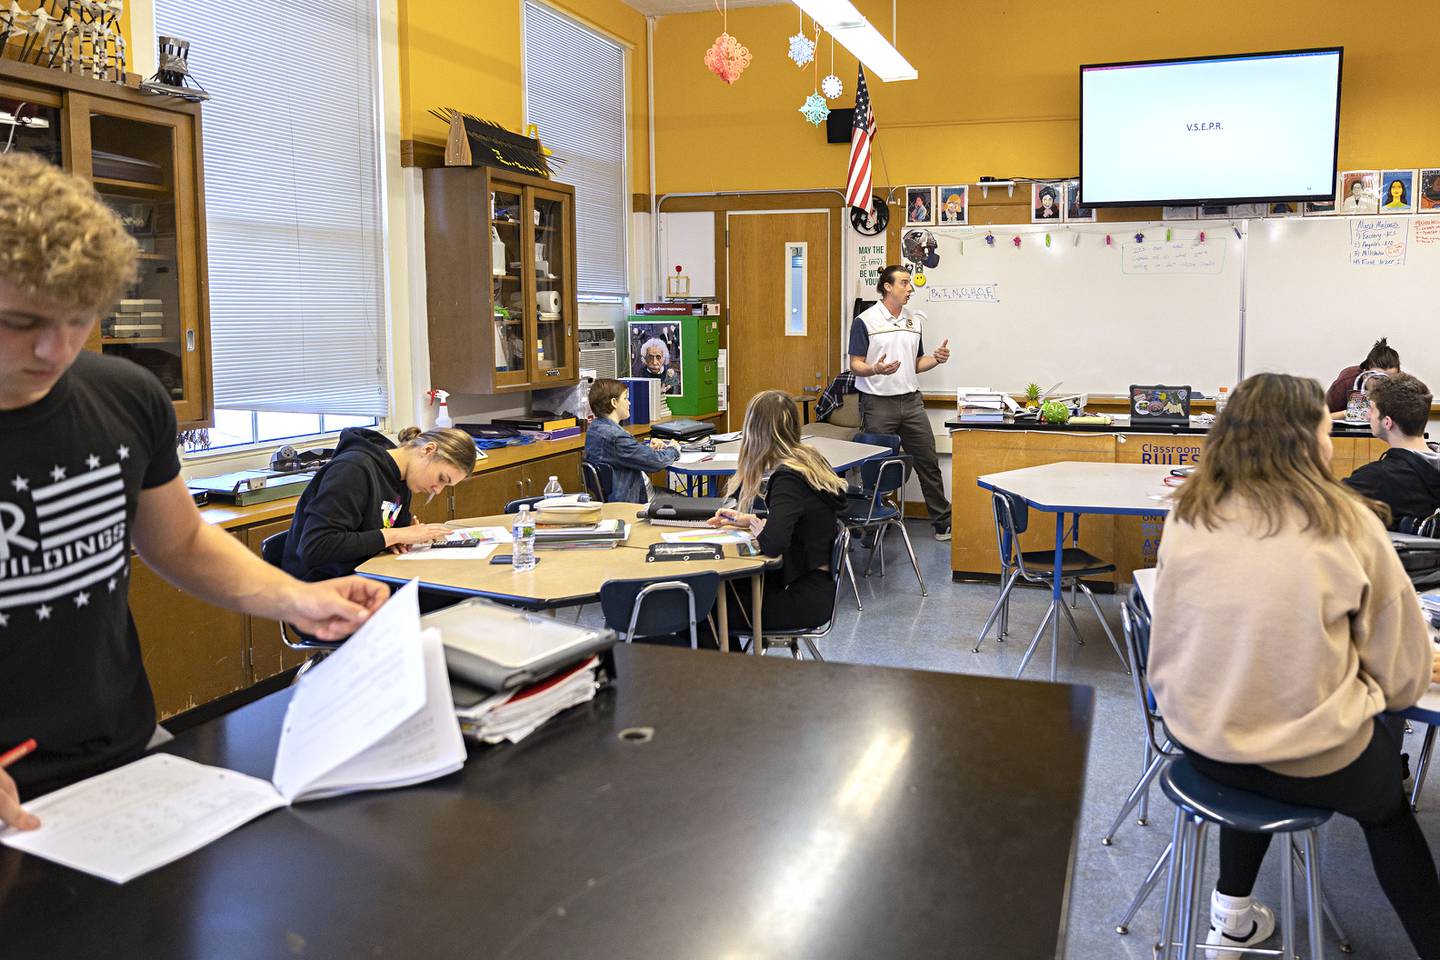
point(597, 351)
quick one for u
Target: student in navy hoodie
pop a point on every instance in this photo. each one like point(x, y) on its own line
point(359, 502)
point(1406, 478)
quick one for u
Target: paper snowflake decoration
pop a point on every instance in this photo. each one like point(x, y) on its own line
point(727, 58)
point(814, 109)
point(802, 49)
point(832, 87)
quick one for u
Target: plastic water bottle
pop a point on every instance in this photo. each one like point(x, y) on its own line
point(522, 556)
point(1221, 396)
point(553, 489)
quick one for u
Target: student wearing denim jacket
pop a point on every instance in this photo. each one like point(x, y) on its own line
point(608, 443)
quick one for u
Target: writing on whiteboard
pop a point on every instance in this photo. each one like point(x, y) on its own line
point(1173, 256)
point(1427, 231)
point(1378, 243)
point(965, 293)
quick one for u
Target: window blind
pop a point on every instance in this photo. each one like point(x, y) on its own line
point(292, 201)
point(575, 95)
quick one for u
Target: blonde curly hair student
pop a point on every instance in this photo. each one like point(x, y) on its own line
point(90, 471)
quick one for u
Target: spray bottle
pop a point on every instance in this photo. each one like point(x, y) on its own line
point(442, 419)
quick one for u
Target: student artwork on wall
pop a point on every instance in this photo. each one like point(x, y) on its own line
point(1246, 211)
point(1427, 190)
point(1287, 208)
point(954, 204)
point(919, 205)
point(1047, 202)
point(1360, 191)
point(1319, 208)
point(1073, 211)
point(1397, 191)
point(1179, 213)
point(1214, 211)
point(655, 353)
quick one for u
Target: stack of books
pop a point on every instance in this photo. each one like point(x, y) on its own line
point(984, 407)
point(602, 534)
point(541, 425)
point(647, 401)
point(514, 714)
point(137, 318)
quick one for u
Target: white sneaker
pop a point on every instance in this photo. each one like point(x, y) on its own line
point(1245, 926)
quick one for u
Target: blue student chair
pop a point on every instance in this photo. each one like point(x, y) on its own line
point(272, 551)
point(877, 514)
point(1012, 518)
point(646, 608)
point(792, 639)
point(598, 479)
point(514, 505)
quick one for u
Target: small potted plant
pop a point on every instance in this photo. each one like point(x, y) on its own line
point(1032, 396)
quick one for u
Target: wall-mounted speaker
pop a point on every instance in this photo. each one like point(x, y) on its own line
point(838, 124)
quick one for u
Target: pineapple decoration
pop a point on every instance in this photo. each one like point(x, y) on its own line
point(1032, 395)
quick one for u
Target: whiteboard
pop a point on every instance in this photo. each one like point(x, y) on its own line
point(1100, 317)
point(1312, 309)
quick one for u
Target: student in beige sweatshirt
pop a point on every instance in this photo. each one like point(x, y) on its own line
point(1283, 627)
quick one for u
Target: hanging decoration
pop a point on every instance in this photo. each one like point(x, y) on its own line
point(989, 239)
point(1016, 241)
point(727, 57)
point(802, 48)
point(1139, 238)
point(814, 109)
point(1202, 236)
point(831, 85)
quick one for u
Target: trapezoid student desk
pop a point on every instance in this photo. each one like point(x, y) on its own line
point(1118, 489)
point(780, 809)
point(841, 454)
point(570, 577)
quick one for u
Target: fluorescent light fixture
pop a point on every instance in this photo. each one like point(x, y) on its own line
point(843, 22)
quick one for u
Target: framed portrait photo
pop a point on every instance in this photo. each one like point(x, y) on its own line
point(919, 206)
point(1074, 213)
point(1397, 191)
point(1359, 192)
point(954, 205)
point(1427, 190)
point(1047, 202)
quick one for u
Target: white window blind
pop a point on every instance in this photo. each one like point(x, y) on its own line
point(575, 94)
point(292, 201)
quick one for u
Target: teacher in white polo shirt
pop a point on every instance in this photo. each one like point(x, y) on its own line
point(886, 354)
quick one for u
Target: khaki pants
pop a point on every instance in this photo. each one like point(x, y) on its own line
point(904, 416)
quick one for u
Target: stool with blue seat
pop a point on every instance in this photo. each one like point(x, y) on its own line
point(1199, 803)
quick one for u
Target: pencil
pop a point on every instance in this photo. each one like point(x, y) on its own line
point(15, 753)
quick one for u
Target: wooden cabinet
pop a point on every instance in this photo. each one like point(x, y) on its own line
point(486, 494)
point(268, 653)
point(142, 153)
point(500, 280)
point(193, 652)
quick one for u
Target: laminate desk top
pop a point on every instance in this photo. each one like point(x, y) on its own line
point(1075, 487)
point(563, 577)
point(1123, 425)
point(782, 809)
point(842, 455)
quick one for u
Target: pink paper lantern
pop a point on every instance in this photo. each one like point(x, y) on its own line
point(727, 58)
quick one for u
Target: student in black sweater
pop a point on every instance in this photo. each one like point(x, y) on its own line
point(804, 496)
point(1406, 478)
point(359, 502)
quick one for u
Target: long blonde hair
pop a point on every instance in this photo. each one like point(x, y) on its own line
point(772, 439)
point(1265, 450)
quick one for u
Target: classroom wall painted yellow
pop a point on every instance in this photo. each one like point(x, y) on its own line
point(999, 87)
point(467, 54)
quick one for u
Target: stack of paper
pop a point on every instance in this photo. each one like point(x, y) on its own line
point(514, 714)
point(982, 407)
point(606, 533)
point(1431, 603)
point(375, 714)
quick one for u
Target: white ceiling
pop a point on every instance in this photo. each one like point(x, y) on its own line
point(663, 7)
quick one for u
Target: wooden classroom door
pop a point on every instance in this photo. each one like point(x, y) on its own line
point(779, 303)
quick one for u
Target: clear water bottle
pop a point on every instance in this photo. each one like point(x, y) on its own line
point(522, 556)
point(1222, 396)
point(553, 489)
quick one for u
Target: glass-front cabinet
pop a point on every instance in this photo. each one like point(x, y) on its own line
point(500, 268)
point(142, 154)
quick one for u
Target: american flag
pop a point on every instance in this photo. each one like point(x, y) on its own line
point(859, 182)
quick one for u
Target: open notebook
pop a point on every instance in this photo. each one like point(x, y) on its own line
point(375, 714)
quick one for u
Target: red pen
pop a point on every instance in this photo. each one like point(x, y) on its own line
point(15, 753)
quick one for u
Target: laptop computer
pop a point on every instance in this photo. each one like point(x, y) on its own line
point(1160, 405)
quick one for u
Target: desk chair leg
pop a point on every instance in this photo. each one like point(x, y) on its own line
point(1422, 767)
point(1004, 610)
point(757, 599)
point(999, 609)
point(1074, 604)
point(855, 587)
point(1147, 887)
point(1326, 909)
point(1312, 895)
point(1172, 887)
point(1194, 876)
point(1141, 789)
point(910, 549)
point(1030, 650)
point(1104, 625)
point(814, 650)
point(1287, 901)
point(1075, 627)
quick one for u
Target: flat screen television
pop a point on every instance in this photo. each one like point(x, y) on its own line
point(1242, 128)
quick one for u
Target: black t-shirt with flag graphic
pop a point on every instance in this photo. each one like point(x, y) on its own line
point(70, 479)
